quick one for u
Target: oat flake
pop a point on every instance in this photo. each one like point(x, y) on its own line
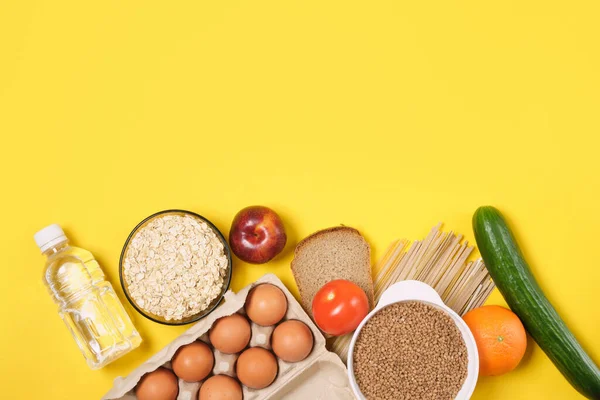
point(175, 266)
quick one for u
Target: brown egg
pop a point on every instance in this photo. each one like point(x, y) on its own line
point(230, 334)
point(292, 341)
point(266, 305)
point(256, 368)
point(220, 387)
point(160, 384)
point(193, 362)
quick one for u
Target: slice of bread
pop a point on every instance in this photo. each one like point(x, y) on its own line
point(335, 253)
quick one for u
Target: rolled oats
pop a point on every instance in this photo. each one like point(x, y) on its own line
point(175, 266)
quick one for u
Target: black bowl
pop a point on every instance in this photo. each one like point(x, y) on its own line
point(212, 305)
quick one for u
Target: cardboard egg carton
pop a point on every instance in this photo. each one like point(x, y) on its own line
point(321, 376)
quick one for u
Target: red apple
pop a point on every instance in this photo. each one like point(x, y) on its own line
point(257, 234)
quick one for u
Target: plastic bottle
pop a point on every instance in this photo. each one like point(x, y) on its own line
point(86, 301)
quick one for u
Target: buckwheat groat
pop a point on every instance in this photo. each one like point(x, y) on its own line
point(410, 350)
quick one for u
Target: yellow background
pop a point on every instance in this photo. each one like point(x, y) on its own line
point(388, 116)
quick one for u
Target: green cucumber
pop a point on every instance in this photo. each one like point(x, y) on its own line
point(514, 279)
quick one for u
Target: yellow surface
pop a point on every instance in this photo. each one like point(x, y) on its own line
point(388, 116)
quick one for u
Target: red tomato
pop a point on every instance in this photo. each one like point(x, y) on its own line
point(339, 307)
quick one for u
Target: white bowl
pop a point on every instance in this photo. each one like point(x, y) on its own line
point(419, 291)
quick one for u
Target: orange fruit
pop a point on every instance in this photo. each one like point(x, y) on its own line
point(500, 337)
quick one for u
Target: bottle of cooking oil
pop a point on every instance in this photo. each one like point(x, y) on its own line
point(86, 301)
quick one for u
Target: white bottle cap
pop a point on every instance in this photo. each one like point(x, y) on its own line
point(49, 237)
